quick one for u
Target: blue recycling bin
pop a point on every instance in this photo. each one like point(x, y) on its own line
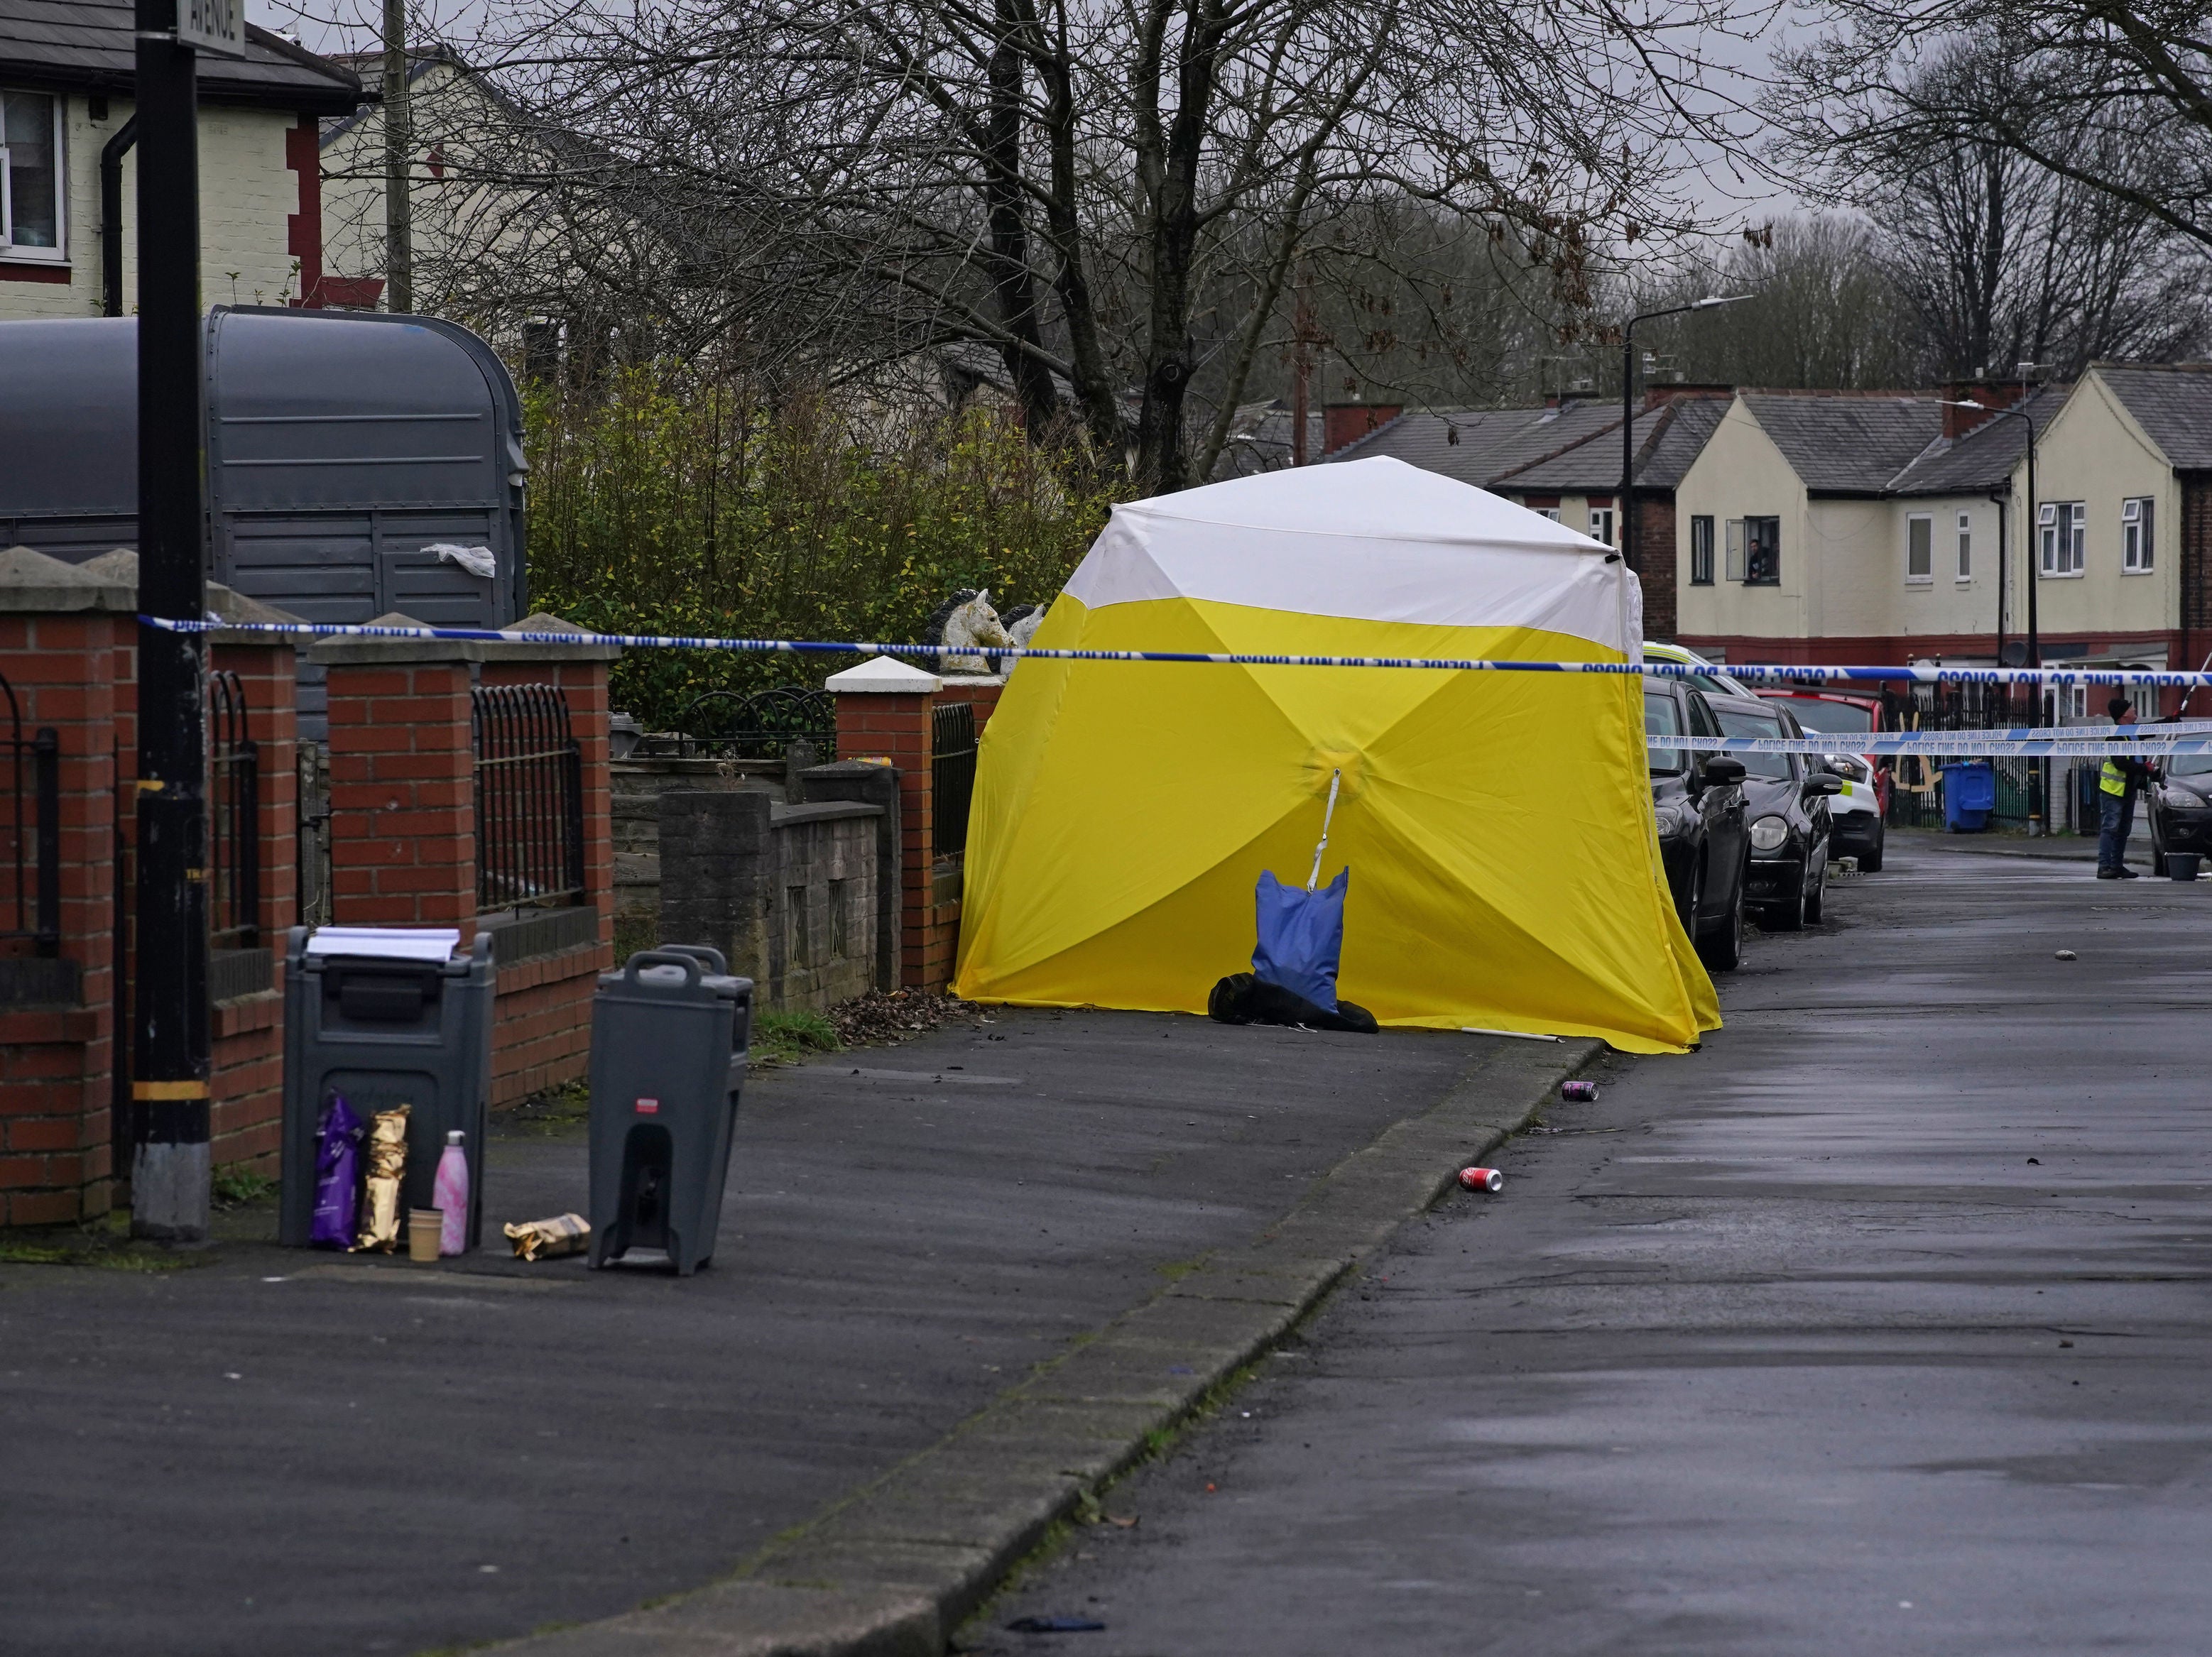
point(1970, 794)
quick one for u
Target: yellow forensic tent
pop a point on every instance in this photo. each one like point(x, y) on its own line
point(1498, 828)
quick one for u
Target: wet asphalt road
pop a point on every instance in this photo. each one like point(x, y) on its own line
point(1880, 1324)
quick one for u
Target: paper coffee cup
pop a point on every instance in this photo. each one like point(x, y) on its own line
point(423, 1228)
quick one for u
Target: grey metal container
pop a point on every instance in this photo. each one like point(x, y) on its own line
point(341, 445)
point(669, 1032)
point(384, 1033)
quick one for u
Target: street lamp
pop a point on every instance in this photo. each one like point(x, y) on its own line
point(1628, 407)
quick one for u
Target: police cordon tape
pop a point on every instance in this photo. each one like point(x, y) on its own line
point(2145, 678)
point(1953, 745)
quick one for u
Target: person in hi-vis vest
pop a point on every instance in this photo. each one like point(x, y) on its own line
point(2117, 783)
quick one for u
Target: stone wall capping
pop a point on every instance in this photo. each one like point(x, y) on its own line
point(884, 675)
point(393, 652)
point(32, 584)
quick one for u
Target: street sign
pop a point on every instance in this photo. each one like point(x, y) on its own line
point(216, 26)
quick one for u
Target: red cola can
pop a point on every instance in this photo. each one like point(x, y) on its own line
point(1580, 1092)
point(1481, 1178)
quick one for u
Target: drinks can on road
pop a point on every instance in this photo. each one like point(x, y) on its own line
point(1581, 1092)
point(1481, 1178)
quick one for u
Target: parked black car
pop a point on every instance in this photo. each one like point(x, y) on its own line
point(1704, 842)
point(2181, 809)
point(1786, 801)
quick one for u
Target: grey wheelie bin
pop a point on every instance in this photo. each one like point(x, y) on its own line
point(382, 1032)
point(668, 1057)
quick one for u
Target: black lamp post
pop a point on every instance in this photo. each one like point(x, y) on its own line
point(1628, 408)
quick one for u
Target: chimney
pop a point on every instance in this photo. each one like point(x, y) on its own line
point(1993, 395)
point(1347, 423)
point(1655, 395)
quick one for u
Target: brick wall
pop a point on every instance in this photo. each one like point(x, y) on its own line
point(402, 825)
point(896, 727)
point(58, 651)
point(1655, 558)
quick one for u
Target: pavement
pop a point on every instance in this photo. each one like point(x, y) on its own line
point(1880, 1325)
point(960, 1282)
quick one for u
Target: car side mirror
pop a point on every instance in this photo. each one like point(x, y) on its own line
point(1822, 782)
point(1721, 771)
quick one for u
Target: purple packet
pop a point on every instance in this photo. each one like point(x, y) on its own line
point(337, 1176)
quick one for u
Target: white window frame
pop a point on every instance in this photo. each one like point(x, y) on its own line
point(1701, 557)
point(58, 253)
point(1601, 521)
point(1552, 512)
point(2061, 557)
point(1924, 576)
point(1733, 569)
point(1965, 570)
point(2138, 536)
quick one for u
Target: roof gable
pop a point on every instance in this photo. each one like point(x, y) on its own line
point(2173, 404)
point(1847, 442)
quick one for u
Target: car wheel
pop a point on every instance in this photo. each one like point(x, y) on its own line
point(1870, 861)
point(1816, 900)
point(1722, 950)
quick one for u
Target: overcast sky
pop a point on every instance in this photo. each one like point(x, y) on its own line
point(1724, 198)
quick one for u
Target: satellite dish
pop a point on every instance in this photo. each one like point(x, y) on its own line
point(2016, 653)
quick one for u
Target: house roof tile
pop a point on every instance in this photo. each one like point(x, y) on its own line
point(2172, 403)
point(92, 43)
point(1984, 457)
point(1481, 445)
point(1847, 442)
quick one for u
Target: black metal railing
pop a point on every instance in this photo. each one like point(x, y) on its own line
point(314, 835)
point(1916, 798)
point(234, 818)
point(530, 798)
point(724, 724)
point(34, 830)
point(951, 775)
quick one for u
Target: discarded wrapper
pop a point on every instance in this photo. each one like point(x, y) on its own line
point(1481, 1178)
point(545, 1240)
point(1581, 1092)
point(2066, 955)
point(387, 1165)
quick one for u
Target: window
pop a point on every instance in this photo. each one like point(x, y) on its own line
point(2134, 537)
point(1701, 552)
point(2063, 532)
point(1752, 724)
point(30, 176)
point(1552, 512)
point(1920, 548)
point(1735, 549)
point(1600, 527)
point(1762, 552)
point(1966, 547)
point(1663, 719)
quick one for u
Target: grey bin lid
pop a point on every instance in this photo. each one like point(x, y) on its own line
point(670, 982)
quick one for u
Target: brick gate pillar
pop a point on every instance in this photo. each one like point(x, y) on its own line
point(884, 711)
point(402, 804)
point(65, 638)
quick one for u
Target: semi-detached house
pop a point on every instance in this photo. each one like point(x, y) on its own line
point(66, 77)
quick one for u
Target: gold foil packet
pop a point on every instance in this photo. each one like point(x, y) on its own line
point(545, 1240)
point(381, 1219)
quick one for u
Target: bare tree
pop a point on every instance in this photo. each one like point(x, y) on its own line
point(1108, 197)
point(2111, 94)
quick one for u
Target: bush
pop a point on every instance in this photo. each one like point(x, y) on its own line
point(674, 501)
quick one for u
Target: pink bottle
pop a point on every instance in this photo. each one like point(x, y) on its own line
point(453, 1196)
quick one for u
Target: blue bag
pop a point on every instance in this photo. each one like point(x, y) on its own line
point(1301, 938)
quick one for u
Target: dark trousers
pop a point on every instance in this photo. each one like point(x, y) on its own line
point(2115, 817)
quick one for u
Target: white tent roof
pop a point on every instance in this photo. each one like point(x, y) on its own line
point(1376, 539)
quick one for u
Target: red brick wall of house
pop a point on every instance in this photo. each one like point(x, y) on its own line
point(1656, 559)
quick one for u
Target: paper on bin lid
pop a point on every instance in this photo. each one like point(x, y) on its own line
point(386, 943)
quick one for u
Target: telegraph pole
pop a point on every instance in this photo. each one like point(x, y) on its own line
point(398, 147)
point(169, 1050)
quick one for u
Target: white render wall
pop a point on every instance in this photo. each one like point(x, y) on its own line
point(246, 195)
point(1739, 473)
point(2094, 452)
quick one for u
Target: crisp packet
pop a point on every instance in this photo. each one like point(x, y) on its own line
point(381, 1219)
point(545, 1240)
point(337, 1176)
